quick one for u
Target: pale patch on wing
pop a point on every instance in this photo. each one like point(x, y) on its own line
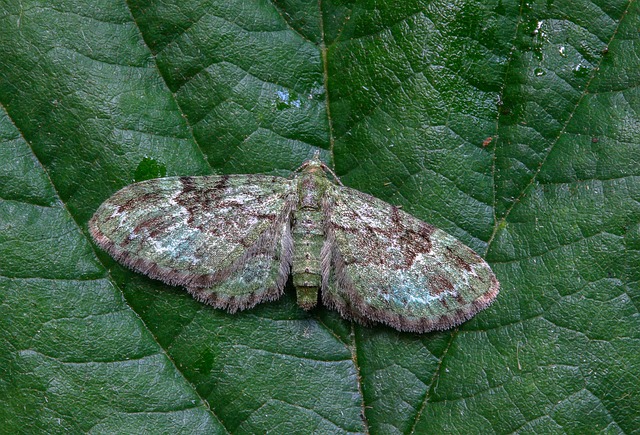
point(385, 265)
point(229, 233)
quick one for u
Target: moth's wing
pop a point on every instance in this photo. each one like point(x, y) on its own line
point(227, 239)
point(385, 265)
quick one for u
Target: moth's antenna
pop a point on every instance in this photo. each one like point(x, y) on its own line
point(335, 177)
point(301, 167)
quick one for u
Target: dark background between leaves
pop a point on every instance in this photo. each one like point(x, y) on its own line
point(515, 127)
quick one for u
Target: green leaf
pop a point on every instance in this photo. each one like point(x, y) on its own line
point(515, 127)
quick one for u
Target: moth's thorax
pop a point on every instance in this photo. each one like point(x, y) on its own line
point(310, 190)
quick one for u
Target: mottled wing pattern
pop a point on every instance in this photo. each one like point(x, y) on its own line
point(383, 264)
point(227, 239)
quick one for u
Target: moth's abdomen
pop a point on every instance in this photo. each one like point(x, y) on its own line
point(308, 238)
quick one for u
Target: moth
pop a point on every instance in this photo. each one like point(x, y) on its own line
point(233, 240)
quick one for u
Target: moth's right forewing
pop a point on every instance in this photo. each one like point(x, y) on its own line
point(388, 266)
point(194, 231)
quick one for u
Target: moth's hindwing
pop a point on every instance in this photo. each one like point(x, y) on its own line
point(390, 267)
point(226, 238)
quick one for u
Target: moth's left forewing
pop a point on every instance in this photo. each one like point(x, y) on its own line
point(388, 266)
point(225, 238)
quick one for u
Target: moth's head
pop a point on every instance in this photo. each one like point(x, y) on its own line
point(314, 164)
